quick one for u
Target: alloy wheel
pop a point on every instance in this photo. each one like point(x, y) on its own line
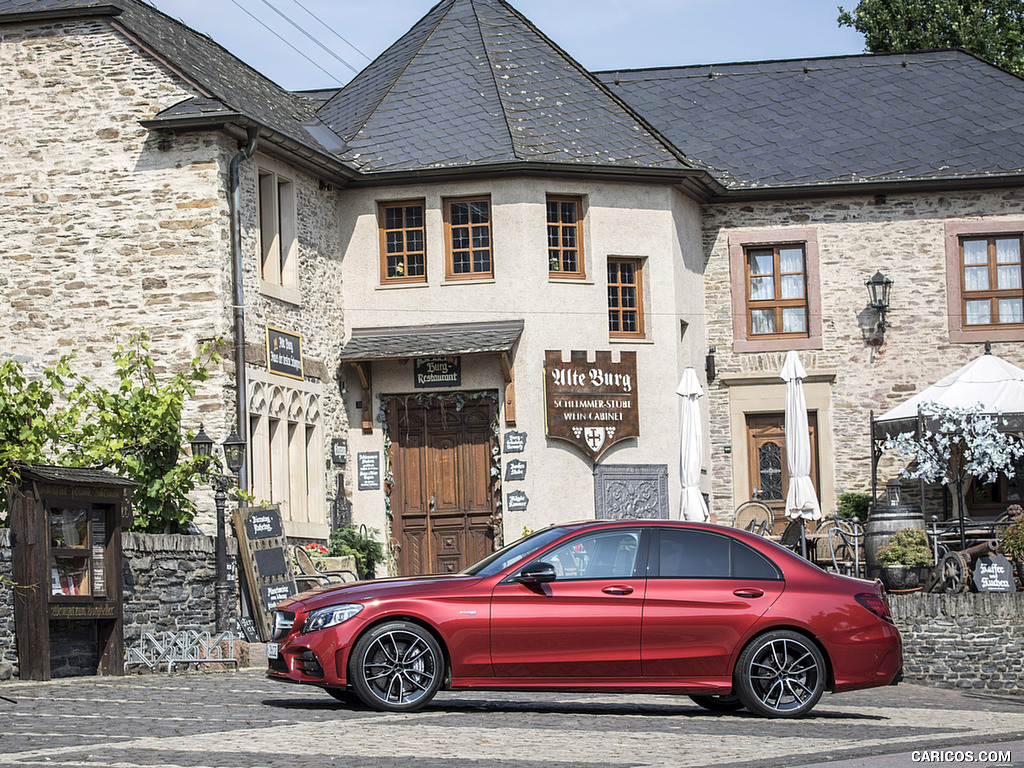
point(399, 668)
point(782, 674)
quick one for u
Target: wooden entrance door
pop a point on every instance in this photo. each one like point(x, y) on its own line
point(766, 457)
point(443, 498)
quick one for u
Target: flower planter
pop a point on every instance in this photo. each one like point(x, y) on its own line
point(901, 577)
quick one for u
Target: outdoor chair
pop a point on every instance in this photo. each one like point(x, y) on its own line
point(309, 576)
point(753, 516)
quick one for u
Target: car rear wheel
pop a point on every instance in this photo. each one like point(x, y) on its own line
point(719, 703)
point(780, 674)
point(397, 667)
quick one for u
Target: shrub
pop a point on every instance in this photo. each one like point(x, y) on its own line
point(856, 505)
point(907, 547)
point(1012, 541)
point(363, 546)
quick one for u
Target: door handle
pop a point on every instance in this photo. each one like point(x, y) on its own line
point(748, 592)
point(618, 589)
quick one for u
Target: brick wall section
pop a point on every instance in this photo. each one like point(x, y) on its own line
point(962, 641)
point(904, 238)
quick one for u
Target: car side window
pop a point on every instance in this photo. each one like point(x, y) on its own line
point(604, 555)
point(691, 554)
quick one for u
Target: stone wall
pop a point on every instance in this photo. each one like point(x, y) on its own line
point(962, 641)
point(8, 650)
point(903, 236)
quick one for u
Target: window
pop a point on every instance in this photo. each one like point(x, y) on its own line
point(776, 300)
point(609, 555)
point(625, 298)
point(686, 554)
point(467, 229)
point(984, 294)
point(776, 291)
point(279, 257)
point(286, 438)
point(766, 447)
point(403, 256)
point(992, 293)
point(565, 237)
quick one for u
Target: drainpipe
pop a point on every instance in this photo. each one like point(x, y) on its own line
point(238, 302)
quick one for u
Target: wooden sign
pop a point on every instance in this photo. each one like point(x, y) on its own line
point(994, 574)
point(339, 451)
point(592, 405)
point(437, 372)
point(266, 558)
point(284, 353)
point(368, 471)
point(517, 501)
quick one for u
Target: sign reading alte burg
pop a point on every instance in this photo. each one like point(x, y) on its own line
point(592, 405)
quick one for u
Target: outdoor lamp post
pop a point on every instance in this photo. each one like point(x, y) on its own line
point(234, 456)
point(873, 326)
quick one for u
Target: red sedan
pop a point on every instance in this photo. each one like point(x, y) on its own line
point(726, 617)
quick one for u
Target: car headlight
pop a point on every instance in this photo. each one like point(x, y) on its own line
point(322, 618)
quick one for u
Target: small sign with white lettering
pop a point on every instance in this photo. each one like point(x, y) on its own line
point(515, 470)
point(517, 501)
point(994, 574)
point(368, 470)
point(437, 372)
point(515, 442)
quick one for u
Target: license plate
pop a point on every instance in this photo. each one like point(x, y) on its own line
point(272, 650)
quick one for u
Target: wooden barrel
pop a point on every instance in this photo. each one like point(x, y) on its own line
point(883, 522)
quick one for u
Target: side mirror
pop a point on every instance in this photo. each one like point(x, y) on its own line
point(537, 573)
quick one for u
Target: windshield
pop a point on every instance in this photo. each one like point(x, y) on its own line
point(498, 561)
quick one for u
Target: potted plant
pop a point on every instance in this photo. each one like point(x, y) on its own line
point(361, 544)
point(904, 559)
point(1011, 541)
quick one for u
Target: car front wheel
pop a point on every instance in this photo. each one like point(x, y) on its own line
point(780, 674)
point(396, 667)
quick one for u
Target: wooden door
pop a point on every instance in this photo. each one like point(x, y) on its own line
point(443, 497)
point(766, 452)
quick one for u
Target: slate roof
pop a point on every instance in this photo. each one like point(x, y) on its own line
point(397, 342)
point(74, 476)
point(238, 88)
point(474, 82)
point(852, 119)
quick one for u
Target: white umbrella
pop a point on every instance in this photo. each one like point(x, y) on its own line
point(801, 499)
point(691, 441)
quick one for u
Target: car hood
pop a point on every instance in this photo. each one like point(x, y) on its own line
point(377, 589)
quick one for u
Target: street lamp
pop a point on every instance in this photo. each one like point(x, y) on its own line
point(234, 456)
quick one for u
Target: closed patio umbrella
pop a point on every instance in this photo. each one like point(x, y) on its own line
point(801, 499)
point(691, 446)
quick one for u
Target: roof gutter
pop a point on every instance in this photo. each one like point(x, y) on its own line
point(879, 187)
point(238, 304)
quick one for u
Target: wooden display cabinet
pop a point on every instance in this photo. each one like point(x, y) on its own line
point(66, 541)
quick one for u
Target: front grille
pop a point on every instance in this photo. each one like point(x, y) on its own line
point(282, 624)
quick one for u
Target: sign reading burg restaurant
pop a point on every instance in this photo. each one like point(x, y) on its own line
point(592, 405)
point(284, 353)
point(437, 372)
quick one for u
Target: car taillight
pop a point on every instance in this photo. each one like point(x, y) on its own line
point(875, 603)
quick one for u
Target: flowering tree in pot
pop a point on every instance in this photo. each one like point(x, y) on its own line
point(955, 445)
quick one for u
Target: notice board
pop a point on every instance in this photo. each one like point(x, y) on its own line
point(263, 549)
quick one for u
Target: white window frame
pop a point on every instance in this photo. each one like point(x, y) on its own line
point(277, 232)
point(286, 438)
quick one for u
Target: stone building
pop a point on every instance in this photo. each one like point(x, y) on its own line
point(498, 264)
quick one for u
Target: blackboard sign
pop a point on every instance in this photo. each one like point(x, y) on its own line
point(270, 562)
point(246, 627)
point(264, 524)
point(516, 501)
point(266, 560)
point(368, 471)
point(515, 442)
point(515, 470)
point(994, 574)
point(339, 450)
point(437, 372)
point(275, 593)
point(284, 353)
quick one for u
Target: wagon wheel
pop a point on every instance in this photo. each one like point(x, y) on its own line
point(954, 573)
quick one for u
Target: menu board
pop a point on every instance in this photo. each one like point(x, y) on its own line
point(263, 549)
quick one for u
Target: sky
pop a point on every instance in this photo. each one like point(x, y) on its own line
point(600, 34)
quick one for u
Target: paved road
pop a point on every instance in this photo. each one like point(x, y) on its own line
point(243, 719)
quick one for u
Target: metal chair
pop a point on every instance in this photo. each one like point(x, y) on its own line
point(310, 576)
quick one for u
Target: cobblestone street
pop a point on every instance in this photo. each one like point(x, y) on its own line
point(242, 719)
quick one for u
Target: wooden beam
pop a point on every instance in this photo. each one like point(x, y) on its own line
point(362, 369)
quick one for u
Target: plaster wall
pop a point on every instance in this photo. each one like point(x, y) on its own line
point(654, 224)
